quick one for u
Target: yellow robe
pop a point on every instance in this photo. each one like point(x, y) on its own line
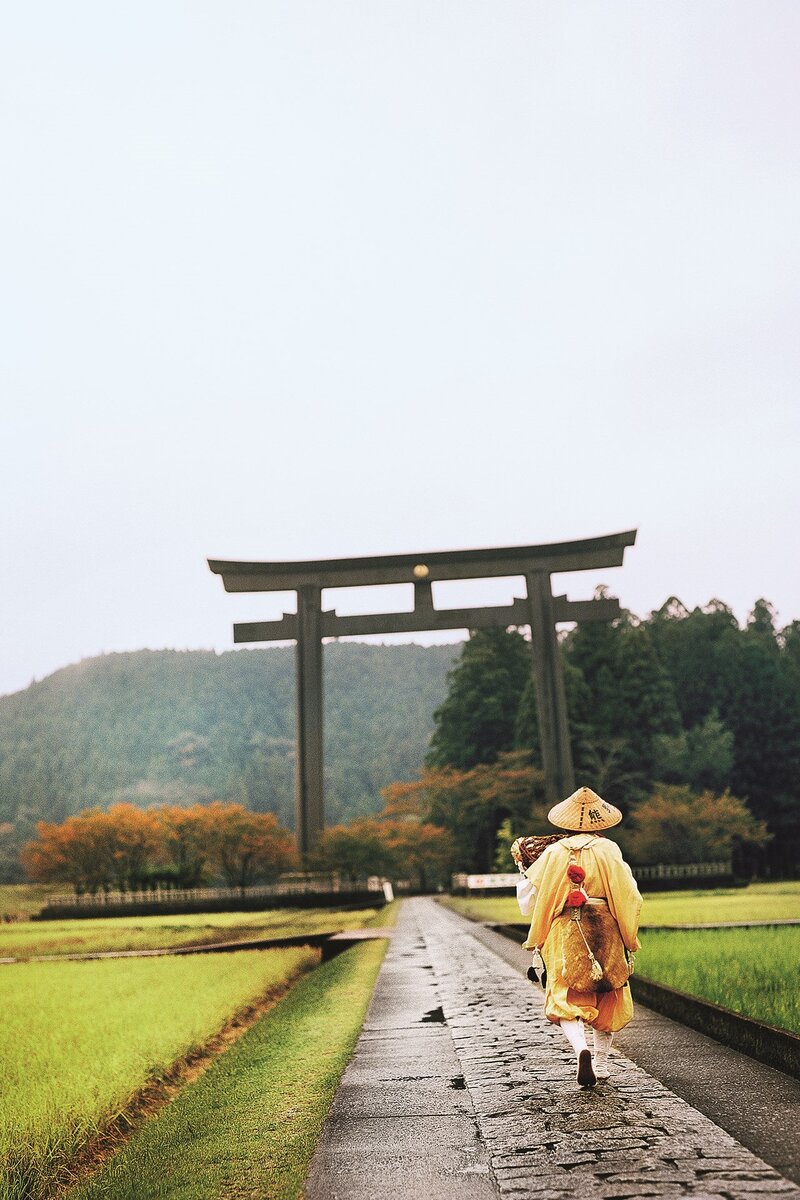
point(608, 876)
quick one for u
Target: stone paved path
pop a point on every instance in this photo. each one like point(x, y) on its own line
point(460, 1087)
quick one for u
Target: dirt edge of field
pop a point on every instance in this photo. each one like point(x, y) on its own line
point(159, 1092)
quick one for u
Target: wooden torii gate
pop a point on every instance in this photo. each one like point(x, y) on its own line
point(539, 609)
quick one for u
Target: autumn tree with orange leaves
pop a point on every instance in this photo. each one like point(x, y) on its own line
point(127, 847)
point(247, 846)
point(678, 825)
point(79, 851)
point(135, 840)
point(186, 843)
point(403, 848)
point(470, 806)
point(447, 820)
point(357, 850)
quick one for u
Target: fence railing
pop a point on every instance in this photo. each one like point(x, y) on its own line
point(172, 895)
point(710, 870)
point(683, 870)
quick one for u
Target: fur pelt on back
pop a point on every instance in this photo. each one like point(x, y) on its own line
point(570, 958)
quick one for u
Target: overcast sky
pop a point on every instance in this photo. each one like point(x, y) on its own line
point(298, 280)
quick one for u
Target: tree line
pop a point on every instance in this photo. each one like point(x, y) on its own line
point(130, 849)
point(454, 820)
point(689, 723)
point(686, 721)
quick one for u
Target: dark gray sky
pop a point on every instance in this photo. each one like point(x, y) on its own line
point(293, 280)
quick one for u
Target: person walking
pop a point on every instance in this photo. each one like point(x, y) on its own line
point(584, 906)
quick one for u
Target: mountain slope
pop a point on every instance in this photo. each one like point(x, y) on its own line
point(166, 725)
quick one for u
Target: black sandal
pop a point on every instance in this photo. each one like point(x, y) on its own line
point(585, 1076)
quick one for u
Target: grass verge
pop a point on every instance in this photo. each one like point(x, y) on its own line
point(247, 1129)
point(18, 901)
point(81, 1040)
point(752, 971)
point(757, 902)
point(94, 934)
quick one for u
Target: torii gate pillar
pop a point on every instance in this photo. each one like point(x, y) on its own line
point(551, 699)
point(309, 748)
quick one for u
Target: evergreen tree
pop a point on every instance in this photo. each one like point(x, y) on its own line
point(579, 708)
point(703, 757)
point(692, 648)
point(790, 656)
point(759, 707)
point(741, 687)
point(762, 622)
point(526, 724)
point(645, 705)
point(477, 720)
point(591, 651)
point(621, 701)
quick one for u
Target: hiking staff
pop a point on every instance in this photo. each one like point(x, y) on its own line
point(584, 906)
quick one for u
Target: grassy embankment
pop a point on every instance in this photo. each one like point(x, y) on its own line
point(81, 1039)
point(752, 971)
point(249, 1126)
point(757, 902)
point(93, 934)
point(21, 900)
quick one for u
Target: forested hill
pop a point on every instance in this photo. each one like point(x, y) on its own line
point(165, 725)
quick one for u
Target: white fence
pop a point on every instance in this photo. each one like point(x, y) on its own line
point(463, 882)
point(291, 887)
point(478, 883)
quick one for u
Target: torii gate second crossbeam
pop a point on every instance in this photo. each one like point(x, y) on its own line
point(539, 609)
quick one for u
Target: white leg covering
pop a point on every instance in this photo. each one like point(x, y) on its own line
point(575, 1034)
point(602, 1045)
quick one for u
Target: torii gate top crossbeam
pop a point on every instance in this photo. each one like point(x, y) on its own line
point(555, 557)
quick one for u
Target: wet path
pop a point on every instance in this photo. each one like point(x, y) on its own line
point(459, 1087)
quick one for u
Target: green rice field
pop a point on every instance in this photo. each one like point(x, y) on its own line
point(80, 1039)
point(94, 934)
point(249, 1126)
point(756, 902)
point(752, 971)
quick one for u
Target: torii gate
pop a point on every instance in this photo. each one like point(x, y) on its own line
point(539, 609)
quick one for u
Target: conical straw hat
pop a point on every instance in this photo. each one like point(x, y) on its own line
point(583, 811)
